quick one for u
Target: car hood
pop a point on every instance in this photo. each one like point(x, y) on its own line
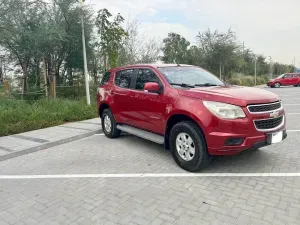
point(237, 95)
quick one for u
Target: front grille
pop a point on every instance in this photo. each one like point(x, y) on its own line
point(264, 107)
point(268, 123)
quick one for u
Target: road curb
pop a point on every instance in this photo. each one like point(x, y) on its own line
point(47, 145)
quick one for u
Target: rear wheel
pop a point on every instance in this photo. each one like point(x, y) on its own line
point(188, 146)
point(109, 125)
point(277, 85)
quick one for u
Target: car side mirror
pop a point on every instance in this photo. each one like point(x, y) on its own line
point(152, 87)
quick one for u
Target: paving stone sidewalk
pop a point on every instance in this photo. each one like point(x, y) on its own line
point(32, 141)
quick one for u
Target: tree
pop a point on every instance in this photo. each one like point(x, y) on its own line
point(18, 29)
point(219, 50)
point(175, 49)
point(13, 5)
point(63, 48)
point(111, 35)
point(195, 56)
point(137, 47)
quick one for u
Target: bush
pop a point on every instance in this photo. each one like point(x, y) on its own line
point(20, 116)
point(247, 80)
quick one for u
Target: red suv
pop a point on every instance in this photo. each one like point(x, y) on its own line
point(286, 79)
point(188, 110)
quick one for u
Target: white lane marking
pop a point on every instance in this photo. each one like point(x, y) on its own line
point(99, 134)
point(139, 175)
point(290, 104)
point(293, 113)
point(293, 130)
point(287, 99)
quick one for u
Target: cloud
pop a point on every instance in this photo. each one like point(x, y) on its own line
point(161, 29)
point(270, 27)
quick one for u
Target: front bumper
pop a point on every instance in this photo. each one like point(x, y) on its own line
point(268, 141)
point(245, 129)
point(250, 142)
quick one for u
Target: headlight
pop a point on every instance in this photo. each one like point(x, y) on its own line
point(224, 111)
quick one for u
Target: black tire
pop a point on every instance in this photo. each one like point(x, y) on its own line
point(277, 85)
point(201, 157)
point(114, 132)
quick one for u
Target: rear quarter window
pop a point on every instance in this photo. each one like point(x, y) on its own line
point(105, 78)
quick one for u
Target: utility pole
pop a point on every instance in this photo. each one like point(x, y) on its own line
point(295, 64)
point(271, 75)
point(220, 71)
point(255, 60)
point(87, 89)
point(45, 77)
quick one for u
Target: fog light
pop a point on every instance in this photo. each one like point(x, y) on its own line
point(234, 141)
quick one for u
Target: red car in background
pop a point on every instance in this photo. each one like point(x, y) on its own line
point(286, 79)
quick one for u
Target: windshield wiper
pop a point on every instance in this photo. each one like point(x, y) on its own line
point(183, 85)
point(206, 85)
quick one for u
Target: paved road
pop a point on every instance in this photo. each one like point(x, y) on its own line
point(159, 199)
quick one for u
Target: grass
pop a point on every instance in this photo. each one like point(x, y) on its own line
point(20, 116)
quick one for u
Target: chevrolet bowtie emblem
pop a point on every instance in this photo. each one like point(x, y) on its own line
point(274, 114)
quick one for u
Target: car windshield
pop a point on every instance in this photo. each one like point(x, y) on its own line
point(190, 76)
point(280, 76)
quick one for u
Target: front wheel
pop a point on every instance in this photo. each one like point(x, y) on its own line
point(109, 125)
point(277, 85)
point(188, 146)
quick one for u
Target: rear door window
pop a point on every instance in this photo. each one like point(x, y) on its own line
point(123, 78)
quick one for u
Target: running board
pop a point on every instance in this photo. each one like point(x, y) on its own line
point(142, 134)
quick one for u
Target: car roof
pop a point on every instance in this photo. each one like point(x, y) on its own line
point(152, 65)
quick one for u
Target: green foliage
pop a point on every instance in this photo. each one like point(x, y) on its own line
point(219, 50)
point(19, 28)
point(283, 68)
point(21, 116)
point(175, 49)
point(111, 34)
point(33, 29)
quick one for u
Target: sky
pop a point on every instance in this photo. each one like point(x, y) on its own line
point(268, 27)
